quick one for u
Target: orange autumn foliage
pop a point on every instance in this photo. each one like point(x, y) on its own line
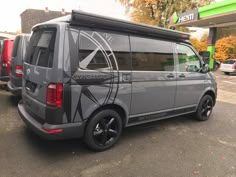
point(200, 45)
point(225, 48)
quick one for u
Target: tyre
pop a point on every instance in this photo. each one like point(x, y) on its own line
point(103, 130)
point(226, 73)
point(204, 109)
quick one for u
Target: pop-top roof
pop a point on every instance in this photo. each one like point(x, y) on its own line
point(92, 20)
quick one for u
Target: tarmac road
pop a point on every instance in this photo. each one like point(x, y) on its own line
point(178, 147)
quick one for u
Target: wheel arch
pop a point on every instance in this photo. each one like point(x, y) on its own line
point(118, 108)
point(210, 92)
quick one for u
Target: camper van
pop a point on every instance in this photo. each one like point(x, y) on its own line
point(91, 76)
point(19, 48)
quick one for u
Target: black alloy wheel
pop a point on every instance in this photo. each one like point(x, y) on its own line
point(205, 108)
point(104, 130)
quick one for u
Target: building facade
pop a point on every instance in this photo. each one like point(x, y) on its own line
point(31, 17)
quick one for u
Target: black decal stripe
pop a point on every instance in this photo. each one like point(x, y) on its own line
point(160, 115)
point(89, 95)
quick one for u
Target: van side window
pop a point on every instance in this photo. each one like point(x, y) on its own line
point(102, 50)
point(188, 61)
point(151, 54)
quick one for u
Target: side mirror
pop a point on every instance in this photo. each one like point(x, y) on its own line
point(205, 68)
point(205, 56)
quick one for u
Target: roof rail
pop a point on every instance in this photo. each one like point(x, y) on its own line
point(102, 22)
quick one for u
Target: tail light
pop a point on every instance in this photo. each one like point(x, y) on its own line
point(234, 66)
point(55, 94)
point(52, 130)
point(19, 71)
point(4, 65)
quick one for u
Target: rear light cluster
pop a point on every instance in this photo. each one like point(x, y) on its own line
point(52, 130)
point(4, 65)
point(234, 66)
point(55, 94)
point(19, 70)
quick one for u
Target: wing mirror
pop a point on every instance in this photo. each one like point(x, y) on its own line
point(205, 56)
point(205, 68)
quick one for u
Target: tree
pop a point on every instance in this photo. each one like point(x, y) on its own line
point(158, 12)
point(225, 48)
point(200, 45)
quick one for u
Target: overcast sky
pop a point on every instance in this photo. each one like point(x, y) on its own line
point(11, 10)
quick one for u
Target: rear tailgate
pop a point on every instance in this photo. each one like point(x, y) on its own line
point(40, 68)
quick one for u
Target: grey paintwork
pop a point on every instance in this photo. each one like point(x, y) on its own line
point(138, 93)
point(42, 76)
point(15, 83)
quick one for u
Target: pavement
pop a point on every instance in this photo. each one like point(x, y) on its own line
point(177, 147)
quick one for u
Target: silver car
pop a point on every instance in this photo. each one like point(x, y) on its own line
point(228, 66)
point(91, 76)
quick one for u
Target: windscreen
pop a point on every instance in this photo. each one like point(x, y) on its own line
point(41, 48)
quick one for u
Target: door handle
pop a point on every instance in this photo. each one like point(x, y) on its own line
point(182, 75)
point(126, 77)
point(170, 76)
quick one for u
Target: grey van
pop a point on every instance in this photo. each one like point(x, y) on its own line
point(90, 76)
point(16, 71)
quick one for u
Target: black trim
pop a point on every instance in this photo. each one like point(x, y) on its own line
point(102, 22)
point(160, 115)
point(14, 90)
point(70, 130)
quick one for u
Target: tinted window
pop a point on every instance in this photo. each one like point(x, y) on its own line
point(100, 50)
point(188, 61)
point(41, 48)
point(229, 61)
point(15, 47)
point(151, 54)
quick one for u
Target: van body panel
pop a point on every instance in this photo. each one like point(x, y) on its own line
point(17, 59)
point(156, 88)
point(190, 82)
point(189, 88)
point(6, 58)
point(89, 89)
point(144, 77)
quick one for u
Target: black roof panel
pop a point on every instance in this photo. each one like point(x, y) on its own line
point(102, 22)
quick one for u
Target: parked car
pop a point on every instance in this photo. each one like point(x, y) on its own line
point(5, 59)
point(90, 76)
point(217, 65)
point(228, 66)
point(15, 83)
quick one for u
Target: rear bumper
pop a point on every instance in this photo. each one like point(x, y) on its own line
point(13, 89)
point(4, 76)
point(70, 130)
point(228, 70)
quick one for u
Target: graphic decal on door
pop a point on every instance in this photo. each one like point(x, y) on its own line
point(97, 74)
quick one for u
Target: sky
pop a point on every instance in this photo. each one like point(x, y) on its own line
point(10, 12)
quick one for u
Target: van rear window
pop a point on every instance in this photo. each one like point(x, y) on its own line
point(41, 48)
point(229, 61)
